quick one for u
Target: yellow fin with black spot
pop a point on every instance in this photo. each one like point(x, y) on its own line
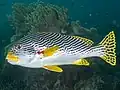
point(50, 51)
point(83, 62)
point(88, 42)
point(110, 45)
point(53, 68)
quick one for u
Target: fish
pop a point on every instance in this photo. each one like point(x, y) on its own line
point(51, 50)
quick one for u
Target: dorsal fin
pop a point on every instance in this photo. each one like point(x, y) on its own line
point(88, 42)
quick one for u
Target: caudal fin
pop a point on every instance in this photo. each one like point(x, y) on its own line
point(109, 45)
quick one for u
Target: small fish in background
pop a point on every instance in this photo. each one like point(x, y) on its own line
point(48, 50)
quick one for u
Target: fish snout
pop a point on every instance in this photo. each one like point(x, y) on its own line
point(12, 57)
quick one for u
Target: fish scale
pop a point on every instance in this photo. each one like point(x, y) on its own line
point(69, 43)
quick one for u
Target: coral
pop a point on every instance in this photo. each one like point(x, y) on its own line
point(41, 17)
point(36, 17)
point(93, 83)
point(77, 29)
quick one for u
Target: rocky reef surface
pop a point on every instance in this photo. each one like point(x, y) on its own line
point(42, 17)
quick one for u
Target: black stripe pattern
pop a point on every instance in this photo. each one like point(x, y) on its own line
point(68, 44)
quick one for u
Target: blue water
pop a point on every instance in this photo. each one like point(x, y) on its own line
point(101, 14)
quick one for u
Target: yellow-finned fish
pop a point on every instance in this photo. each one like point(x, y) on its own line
point(47, 50)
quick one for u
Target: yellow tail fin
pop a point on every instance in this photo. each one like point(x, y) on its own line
point(110, 45)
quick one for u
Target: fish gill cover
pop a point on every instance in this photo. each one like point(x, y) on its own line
point(42, 17)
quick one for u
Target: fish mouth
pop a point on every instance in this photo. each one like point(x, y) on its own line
point(12, 57)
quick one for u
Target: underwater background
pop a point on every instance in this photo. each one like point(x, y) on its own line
point(92, 19)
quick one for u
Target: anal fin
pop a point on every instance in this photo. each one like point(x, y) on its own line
point(53, 68)
point(83, 62)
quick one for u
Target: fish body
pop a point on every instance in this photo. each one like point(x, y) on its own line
point(47, 50)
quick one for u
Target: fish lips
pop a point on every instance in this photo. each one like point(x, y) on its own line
point(12, 57)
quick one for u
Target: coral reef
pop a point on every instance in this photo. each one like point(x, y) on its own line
point(37, 17)
point(41, 17)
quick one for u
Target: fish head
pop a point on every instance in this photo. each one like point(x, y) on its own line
point(31, 48)
point(20, 54)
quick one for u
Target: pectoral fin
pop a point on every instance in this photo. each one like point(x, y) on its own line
point(50, 51)
point(53, 68)
point(83, 62)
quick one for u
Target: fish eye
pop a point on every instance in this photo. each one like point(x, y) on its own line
point(18, 46)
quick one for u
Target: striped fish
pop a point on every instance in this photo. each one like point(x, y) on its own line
point(48, 50)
